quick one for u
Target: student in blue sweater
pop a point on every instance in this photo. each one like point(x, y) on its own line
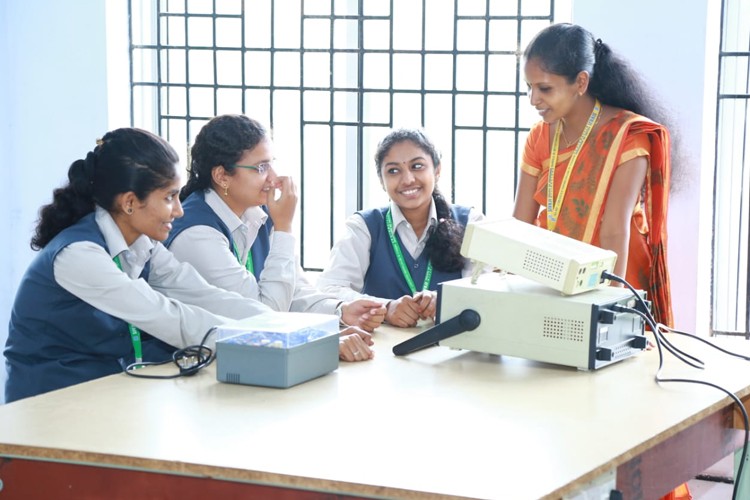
point(238, 235)
point(103, 292)
point(398, 254)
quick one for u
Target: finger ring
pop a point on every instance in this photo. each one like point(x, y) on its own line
point(356, 353)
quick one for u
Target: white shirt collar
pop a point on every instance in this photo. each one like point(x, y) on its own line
point(139, 250)
point(398, 215)
point(252, 217)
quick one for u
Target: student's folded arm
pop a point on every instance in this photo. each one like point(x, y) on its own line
point(87, 271)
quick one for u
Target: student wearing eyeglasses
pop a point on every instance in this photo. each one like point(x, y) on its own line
point(238, 234)
point(103, 292)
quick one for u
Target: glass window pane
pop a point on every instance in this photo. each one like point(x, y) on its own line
point(503, 35)
point(345, 8)
point(317, 33)
point(439, 26)
point(228, 32)
point(199, 7)
point(438, 72)
point(145, 108)
point(200, 31)
point(317, 70)
point(502, 74)
point(377, 106)
point(173, 64)
point(469, 110)
point(376, 34)
point(407, 71)
point(472, 7)
point(317, 105)
point(407, 33)
point(345, 70)
point(469, 166)
point(470, 72)
point(536, 8)
point(201, 66)
point(228, 7)
point(228, 101)
point(345, 106)
point(504, 8)
point(229, 67)
point(376, 71)
point(471, 35)
point(258, 26)
point(286, 28)
point(174, 32)
point(407, 110)
point(500, 170)
point(317, 7)
point(171, 6)
point(376, 8)
point(286, 69)
point(201, 102)
point(258, 105)
point(174, 101)
point(345, 34)
point(257, 68)
point(501, 111)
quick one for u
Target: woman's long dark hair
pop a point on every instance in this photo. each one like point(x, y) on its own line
point(567, 49)
point(222, 141)
point(126, 159)
point(443, 247)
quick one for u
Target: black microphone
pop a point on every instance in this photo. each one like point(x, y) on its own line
point(466, 321)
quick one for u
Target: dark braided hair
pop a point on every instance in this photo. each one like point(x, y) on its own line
point(124, 160)
point(443, 247)
point(567, 49)
point(222, 141)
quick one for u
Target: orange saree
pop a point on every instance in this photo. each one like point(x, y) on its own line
point(622, 138)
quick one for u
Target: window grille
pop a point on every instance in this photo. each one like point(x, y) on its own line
point(730, 283)
point(331, 77)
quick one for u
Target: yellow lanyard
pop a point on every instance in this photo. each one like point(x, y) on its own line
point(553, 207)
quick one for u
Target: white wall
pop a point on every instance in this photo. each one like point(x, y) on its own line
point(675, 58)
point(53, 106)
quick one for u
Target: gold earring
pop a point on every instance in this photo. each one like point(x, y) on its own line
point(226, 189)
point(129, 210)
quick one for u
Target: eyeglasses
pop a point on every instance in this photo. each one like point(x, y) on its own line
point(261, 168)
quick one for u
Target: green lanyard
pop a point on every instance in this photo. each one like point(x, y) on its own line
point(402, 262)
point(248, 262)
point(135, 333)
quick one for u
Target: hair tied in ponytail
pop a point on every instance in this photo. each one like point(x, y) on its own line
point(89, 165)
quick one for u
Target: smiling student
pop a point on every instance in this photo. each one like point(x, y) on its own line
point(104, 292)
point(399, 253)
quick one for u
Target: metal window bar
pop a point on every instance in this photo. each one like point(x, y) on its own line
point(730, 311)
point(178, 121)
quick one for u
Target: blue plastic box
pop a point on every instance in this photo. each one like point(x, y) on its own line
point(277, 349)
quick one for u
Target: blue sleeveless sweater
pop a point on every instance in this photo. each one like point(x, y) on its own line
point(383, 277)
point(199, 213)
point(56, 339)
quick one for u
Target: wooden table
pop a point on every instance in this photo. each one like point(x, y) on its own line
point(439, 423)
